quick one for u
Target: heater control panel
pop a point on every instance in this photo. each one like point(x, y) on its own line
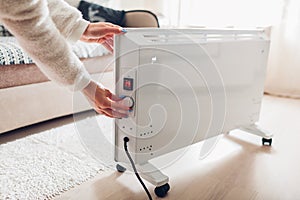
point(128, 101)
point(127, 87)
point(128, 84)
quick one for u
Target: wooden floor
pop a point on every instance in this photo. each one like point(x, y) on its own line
point(239, 167)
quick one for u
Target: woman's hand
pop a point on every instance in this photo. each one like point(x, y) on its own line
point(101, 32)
point(104, 102)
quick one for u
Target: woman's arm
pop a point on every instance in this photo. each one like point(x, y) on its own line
point(67, 19)
point(30, 23)
point(69, 22)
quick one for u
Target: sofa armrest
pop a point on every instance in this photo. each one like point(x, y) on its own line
point(140, 18)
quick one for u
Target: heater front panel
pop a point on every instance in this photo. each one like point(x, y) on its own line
point(187, 93)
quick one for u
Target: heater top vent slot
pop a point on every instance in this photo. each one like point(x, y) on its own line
point(184, 36)
point(198, 37)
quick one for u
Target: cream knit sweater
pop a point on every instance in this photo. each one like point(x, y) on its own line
point(42, 28)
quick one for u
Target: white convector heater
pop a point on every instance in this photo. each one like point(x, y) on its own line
point(184, 86)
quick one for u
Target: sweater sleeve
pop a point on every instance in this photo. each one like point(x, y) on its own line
point(31, 24)
point(67, 19)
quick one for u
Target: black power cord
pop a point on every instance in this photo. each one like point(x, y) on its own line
point(126, 140)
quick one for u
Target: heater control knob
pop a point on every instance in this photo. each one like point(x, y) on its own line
point(128, 101)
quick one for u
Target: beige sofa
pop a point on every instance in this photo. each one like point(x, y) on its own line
point(28, 97)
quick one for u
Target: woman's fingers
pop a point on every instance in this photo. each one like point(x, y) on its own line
point(111, 24)
point(113, 97)
point(98, 110)
point(113, 113)
point(110, 41)
point(108, 47)
point(103, 31)
point(110, 113)
point(104, 102)
point(115, 105)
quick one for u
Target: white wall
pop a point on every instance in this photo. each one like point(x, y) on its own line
point(221, 13)
point(154, 5)
point(238, 13)
point(283, 76)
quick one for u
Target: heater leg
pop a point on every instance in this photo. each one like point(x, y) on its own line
point(153, 175)
point(150, 173)
point(120, 168)
point(256, 130)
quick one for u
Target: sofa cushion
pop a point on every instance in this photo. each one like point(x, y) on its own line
point(12, 54)
point(25, 74)
point(17, 68)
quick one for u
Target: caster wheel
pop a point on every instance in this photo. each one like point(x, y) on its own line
point(162, 191)
point(120, 168)
point(266, 141)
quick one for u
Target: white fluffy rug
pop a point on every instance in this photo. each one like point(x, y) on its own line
point(46, 164)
